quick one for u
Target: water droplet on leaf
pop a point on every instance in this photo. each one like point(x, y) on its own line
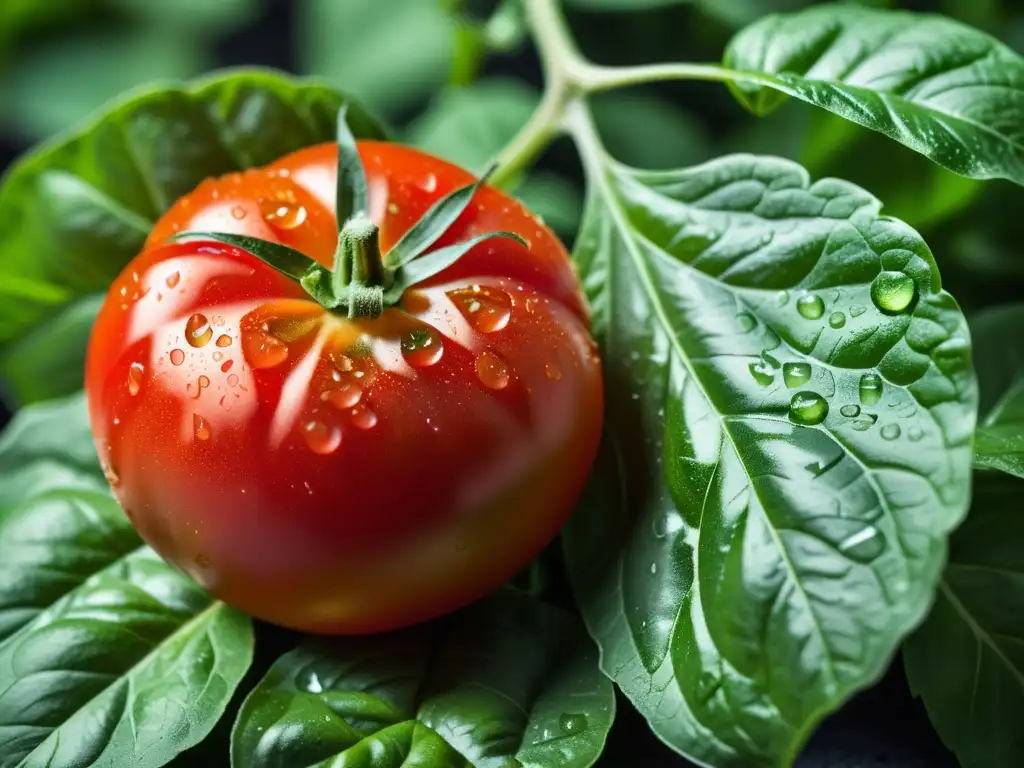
point(893, 292)
point(796, 374)
point(850, 411)
point(807, 408)
point(572, 722)
point(871, 387)
point(810, 306)
point(837, 320)
point(891, 431)
point(762, 372)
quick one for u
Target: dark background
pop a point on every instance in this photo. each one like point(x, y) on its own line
point(884, 726)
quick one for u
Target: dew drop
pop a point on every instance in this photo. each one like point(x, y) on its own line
point(850, 411)
point(915, 434)
point(232, 380)
point(218, 356)
point(198, 331)
point(363, 417)
point(571, 722)
point(110, 472)
point(891, 431)
point(864, 545)
point(204, 382)
point(807, 408)
point(393, 209)
point(552, 371)
point(870, 388)
point(796, 374)
point(429, 183)
point(344, 397)
point(810, 306)
point(200, 427)
point(262, 350)
point(857, 310)
point(837, 320)
point(746, 322)
point(422, 347)
point(492, 370)
point(762, 372)
point(283, 215)
point(893, 292)
point(177, 357)
point(321, 438)
point(223, 340)
point(173, 279)
point(866, 423)
point(135, 371)
point(487, 309)
point(238, 212)
point(782, 297)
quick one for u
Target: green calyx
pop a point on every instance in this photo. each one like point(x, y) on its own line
point(363, 282)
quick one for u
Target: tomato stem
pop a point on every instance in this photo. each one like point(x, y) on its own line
point(359, 276)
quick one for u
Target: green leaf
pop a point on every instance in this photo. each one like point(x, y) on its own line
point(388, 54)
point(75, 211)
point(48, 447)
point(966, 662)
point(200, 18)
point(625, 5)
point(999, 439)
point(61, 81)
point(943, 89)
point(507, 681)
point(50, 360)
point(785, 454)
point(131, 668)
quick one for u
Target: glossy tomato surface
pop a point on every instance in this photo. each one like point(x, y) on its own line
point(345, 476)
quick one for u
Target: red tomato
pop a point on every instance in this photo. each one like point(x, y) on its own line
point(345, 476)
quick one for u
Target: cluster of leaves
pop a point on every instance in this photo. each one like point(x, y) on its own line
point(791, 433)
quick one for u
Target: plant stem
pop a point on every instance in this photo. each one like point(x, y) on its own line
point(570, 78)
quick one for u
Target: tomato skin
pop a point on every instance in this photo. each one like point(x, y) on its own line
point(338, 476)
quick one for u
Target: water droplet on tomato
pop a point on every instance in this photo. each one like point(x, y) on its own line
point(204, 382)
point(321, 438)
point(262, 350)
point(218, 356)
point(429, 183)
point(173, 279)
point(135, 371)
point(487, 309)
point(177, 357)
point(223, 340)
point(531, 304)
point(552, 371)
point(363, 417)
point(422, 347)
point(198, 331)
point(344, 397)
point(393, 209)
point(232, 380)
point(492, 370)
point(226, 366)
point(200, 427)
point(238, 212)
point(283, 215)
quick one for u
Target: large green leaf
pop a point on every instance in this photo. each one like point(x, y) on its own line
point(73, 212)
point(790, 409)
point(966, 662)
point(108, 656)
point(509, 681)
point(999, 440)
point(948, 91)
point(388, 54)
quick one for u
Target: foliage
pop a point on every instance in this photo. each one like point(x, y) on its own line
point(800, 427)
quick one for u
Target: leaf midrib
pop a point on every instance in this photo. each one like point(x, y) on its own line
point(601, 173)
